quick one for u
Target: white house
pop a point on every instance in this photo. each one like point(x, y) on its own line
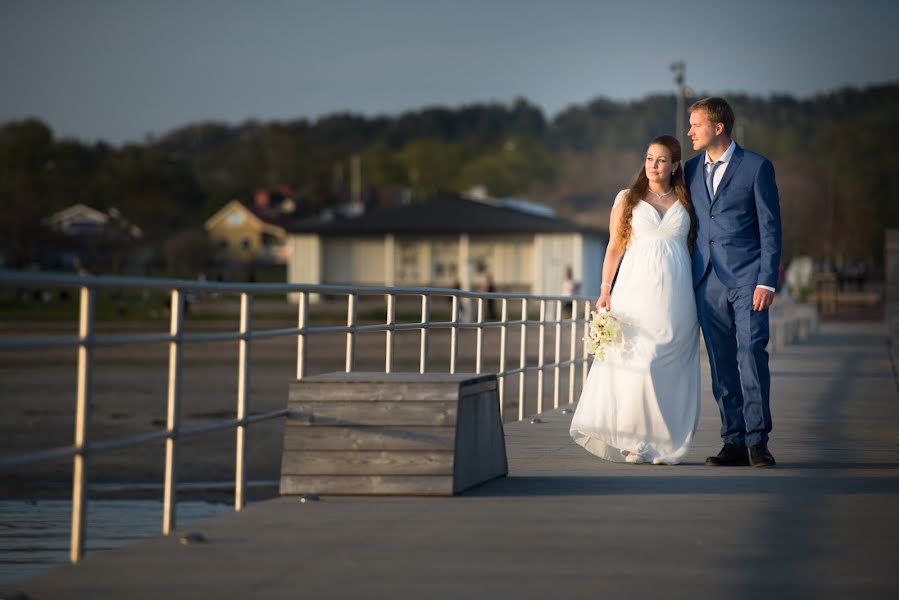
point(448, 242)
point(82, 221)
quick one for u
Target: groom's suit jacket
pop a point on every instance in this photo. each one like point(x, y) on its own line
point(738, 230)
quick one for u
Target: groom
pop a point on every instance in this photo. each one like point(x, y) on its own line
point(735, 265)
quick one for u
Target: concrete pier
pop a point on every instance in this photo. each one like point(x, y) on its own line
point(824, 524)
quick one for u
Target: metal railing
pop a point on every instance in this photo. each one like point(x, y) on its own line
point(88, 339)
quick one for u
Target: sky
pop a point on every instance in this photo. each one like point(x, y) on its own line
point(123, 70)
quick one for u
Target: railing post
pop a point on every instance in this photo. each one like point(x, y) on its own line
point(557, 370)
point(170, 493)
point(302, 317)
point(454, 335)
point(503, 333)
point(425, 332)
point(82, 423)
point(243, 390)
point(572, 367)
point(523, 358)
point(351, 335)
point(540, 358)
point(391, 320)
point(480, 337)
point(584, 365)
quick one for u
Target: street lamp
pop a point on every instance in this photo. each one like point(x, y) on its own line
point(679, 69)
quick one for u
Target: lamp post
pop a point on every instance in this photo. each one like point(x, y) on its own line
point(679, 69)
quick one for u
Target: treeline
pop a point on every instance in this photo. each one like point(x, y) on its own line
point(835, 156)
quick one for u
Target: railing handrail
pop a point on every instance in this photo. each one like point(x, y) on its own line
point(60, 452)
point(107, 340)
point(87, 340)
point(66, 280)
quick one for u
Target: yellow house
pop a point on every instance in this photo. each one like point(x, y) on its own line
point(248, 234)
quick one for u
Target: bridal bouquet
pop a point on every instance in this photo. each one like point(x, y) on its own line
point(602, 330)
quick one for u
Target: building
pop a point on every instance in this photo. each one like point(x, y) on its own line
point(249, 234)
point(83, 222)
point(81, 237)
point(448, 242)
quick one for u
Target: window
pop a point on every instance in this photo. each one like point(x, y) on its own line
point(235, 219)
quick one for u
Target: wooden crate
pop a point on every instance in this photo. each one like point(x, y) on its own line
point(392, 433)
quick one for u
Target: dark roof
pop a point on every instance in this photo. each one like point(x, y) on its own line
point(447, 214)
point(269, 215)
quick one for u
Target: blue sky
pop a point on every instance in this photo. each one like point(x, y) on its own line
point(119, 70)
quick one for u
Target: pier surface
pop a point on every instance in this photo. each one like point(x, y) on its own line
point(824, 524)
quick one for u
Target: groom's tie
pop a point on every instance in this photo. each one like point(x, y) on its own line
point(710, 178)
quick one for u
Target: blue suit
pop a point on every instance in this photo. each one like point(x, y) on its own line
point(738, 245)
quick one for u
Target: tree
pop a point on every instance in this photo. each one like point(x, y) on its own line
point(188, 252)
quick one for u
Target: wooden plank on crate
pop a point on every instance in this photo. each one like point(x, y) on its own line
point(398, 414)
point(357, 390)
point(366, 392)
point(407, 485)
point(368, 438)
point(341, 378)
point(367, 462)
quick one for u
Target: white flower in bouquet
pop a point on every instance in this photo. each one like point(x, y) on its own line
point(603, 330)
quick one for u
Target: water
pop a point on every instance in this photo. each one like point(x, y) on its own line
point(34, 536)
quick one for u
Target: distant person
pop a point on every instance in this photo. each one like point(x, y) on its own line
point(861, 275)
point(570, 288)
point(641, 402)
point(487, 285)
point(799, 277)
point(735, 262)
point(858, 275)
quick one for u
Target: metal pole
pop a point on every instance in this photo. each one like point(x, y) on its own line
point(243, 392)
point(425, 318)
point(83, 407)
point(170, 493)
point(572, 368)
point(480, 341)
point(679, 69)
point(557, 373)
point(541, 342)
point(503, 333)
point(391, 320)
point(523, 359)
point(584, 365)
point(454, 334)
point(302, 316)
point(351, 335)
point(356, 179)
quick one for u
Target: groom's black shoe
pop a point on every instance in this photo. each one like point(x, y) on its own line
point(759, 456)
point(730, 456)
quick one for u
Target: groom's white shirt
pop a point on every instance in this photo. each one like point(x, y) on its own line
point(719, 175)
point(724, 160)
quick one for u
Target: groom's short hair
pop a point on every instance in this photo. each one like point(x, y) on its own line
point(718, 110)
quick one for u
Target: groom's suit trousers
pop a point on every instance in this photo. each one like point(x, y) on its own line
point(735, 338)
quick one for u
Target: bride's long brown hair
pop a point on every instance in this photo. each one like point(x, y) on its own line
point(640, 185)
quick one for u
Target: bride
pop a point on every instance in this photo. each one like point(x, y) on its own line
point(641, 403)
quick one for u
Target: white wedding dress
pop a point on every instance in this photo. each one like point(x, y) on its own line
point(641, 404)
